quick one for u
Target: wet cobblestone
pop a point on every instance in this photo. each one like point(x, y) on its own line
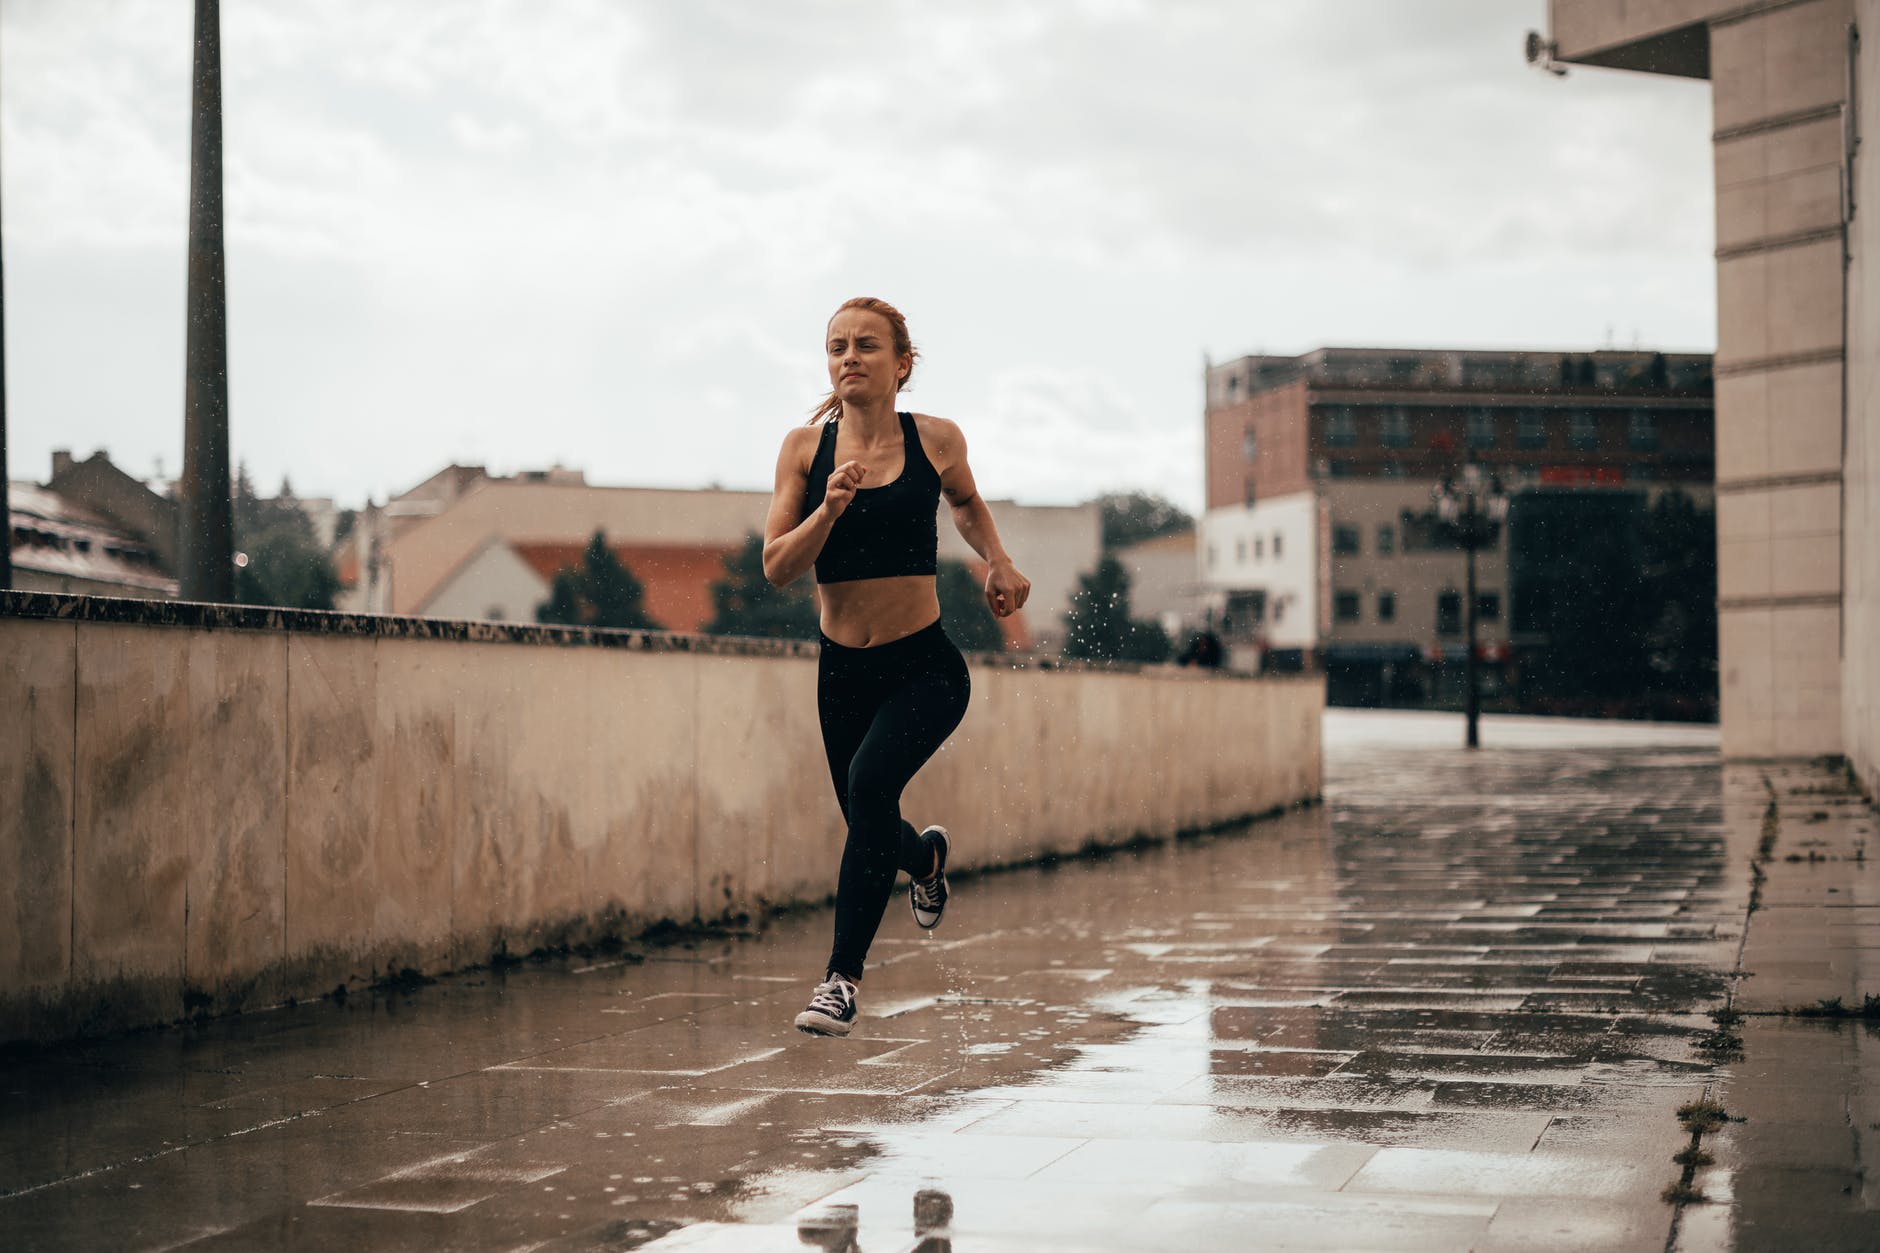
point(1457, 1006)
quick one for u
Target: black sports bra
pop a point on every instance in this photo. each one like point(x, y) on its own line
point(886, 531)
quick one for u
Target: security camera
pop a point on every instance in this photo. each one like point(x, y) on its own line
point(1540, 54)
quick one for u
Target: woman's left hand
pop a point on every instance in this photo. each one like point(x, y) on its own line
point(1006, 589)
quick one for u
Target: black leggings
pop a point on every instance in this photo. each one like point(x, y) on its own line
point(884, 711)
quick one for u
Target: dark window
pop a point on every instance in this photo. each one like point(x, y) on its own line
point(1276, 543)
point(1391, 469)
point(1341, 429)
point(1584, 434)
point(1387, 606)
point(1393, 429)
point(1386, 539)
point(1534, 609)
point(1345, 606)
point(1488, 606)
point(1240, 550)
point(1449, 613)
point(1247, 494)
point(1531, 429)
point(1341, 469)
point(1643, 432)
point(1481, 428)
point(1249, 445)
point(1345, 540)
point(1259, 548)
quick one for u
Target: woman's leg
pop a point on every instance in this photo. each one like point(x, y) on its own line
point(913, 719)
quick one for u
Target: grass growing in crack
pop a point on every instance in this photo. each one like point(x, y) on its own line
point(1771, 823)
point(1831, 1007)
point(1682, 1193)
point(1693, 1156)
point(1702, 1117)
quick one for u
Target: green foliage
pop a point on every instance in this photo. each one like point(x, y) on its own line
point(600, 593)
point(285, 564)
point(969, 623)
point(746, 603)
point(1130, 517)
point(1099, 626)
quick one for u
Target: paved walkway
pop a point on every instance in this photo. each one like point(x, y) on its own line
point(1459, 1006)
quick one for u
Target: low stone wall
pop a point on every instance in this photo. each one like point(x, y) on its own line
point(205, 809)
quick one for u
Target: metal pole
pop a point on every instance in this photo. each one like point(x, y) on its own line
point(206, 514)
point(1472, 699)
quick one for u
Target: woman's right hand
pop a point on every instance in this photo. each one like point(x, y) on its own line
point(841, 488)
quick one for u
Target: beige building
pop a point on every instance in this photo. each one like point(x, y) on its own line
point(1793, 91)
point(465, 544)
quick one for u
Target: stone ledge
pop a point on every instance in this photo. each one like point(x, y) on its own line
point(59, 607)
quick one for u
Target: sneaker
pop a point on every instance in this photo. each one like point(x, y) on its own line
point(831, 1009)
point(929, 896)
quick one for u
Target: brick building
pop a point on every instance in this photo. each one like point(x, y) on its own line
point(1316, 545)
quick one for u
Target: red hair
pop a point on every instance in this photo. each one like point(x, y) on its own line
point(903, 347)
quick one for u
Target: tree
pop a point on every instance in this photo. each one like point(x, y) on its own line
point(1129, 517)
point(969, 623)
point(746, 603)
point(283, 563)
point(1099, 626)
point(601, 592)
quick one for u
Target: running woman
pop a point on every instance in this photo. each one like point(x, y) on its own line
point(858, 497)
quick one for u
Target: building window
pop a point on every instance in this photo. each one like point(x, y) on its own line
point(1488, 606)
point(1259, 548)
point(1240, 551)
point(1341, 429)
point(1449, 612)
point(1341, 469)
point(1276, 545)
point(1345, 540)
point(1345, 606)
point(1233, 386)
point(1642, 435)
point(1393, 429)
point(1387, 606)
point(1211, 556)
point(1531, 429)
point(1386, 539)
point(1481, 428)
point(1391, 469)
point(1247, 494)
point(1249, 445)
point(1584, 434)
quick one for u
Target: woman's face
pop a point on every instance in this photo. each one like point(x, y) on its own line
point(863, 365)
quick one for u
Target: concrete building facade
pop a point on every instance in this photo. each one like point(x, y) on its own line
point(1793, 91)
point(1316, 544)
point(468, 544)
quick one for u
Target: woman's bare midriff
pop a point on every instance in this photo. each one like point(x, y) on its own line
point(865, 613)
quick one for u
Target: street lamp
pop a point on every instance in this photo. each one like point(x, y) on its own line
point(1471, 513)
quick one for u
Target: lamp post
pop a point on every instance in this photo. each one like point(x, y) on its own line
point(1471, 512)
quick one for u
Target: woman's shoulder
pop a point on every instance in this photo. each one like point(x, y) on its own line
point(938, 433)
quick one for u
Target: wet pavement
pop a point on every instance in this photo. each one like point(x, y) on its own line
point(1458, 1006)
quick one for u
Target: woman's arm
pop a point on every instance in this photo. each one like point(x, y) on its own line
point(1006, 589)
point(792, 542)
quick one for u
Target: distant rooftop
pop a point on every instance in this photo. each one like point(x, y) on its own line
point(1465, 370)
point(53, 535)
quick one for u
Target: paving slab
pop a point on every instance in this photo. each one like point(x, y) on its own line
point(1456, 1006)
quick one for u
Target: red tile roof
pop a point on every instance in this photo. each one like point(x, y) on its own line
point(678, 578)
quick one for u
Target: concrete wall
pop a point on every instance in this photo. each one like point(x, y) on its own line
point(1860, 700)
point(235, 808)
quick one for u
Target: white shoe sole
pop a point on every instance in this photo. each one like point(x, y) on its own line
point(946, 843)
point(809, 1022)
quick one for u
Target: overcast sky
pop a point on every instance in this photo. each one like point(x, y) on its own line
point(608, 233)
